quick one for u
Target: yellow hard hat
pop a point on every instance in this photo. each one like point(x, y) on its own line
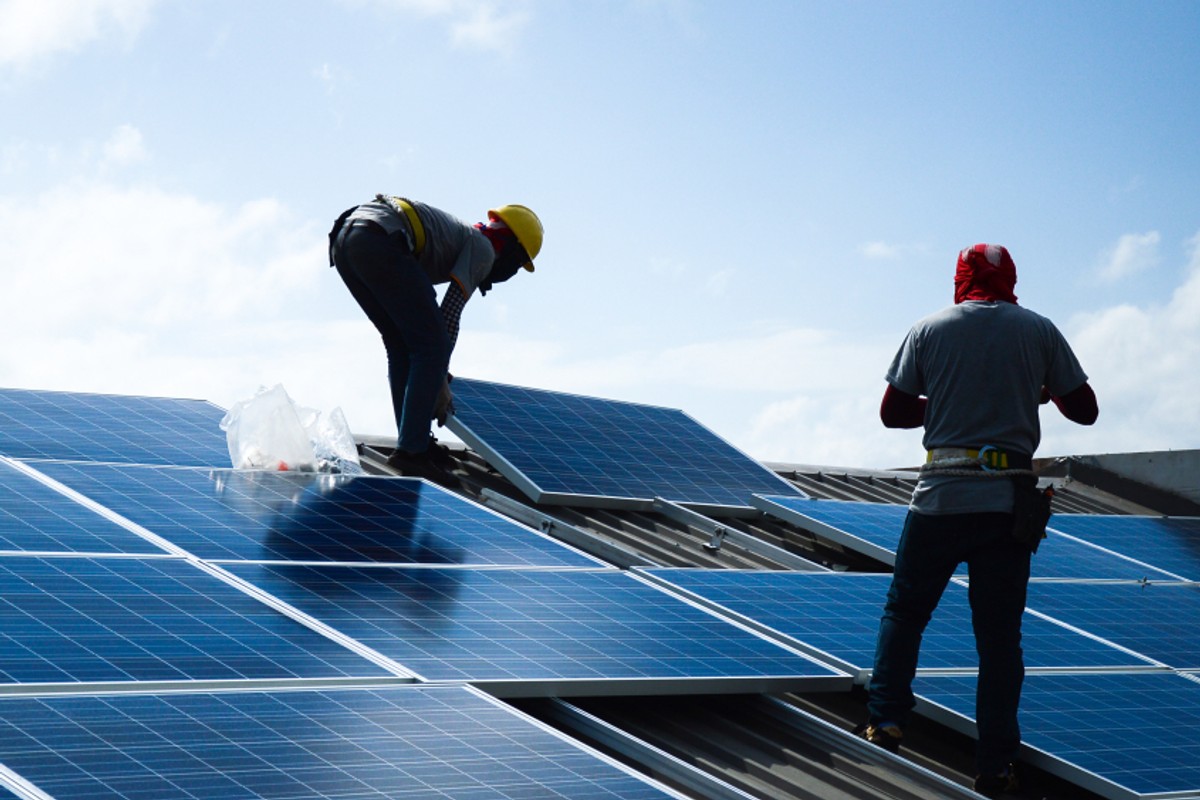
point(525, 224)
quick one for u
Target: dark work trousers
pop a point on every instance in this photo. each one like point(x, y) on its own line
point(399, 299)
point(931, 548)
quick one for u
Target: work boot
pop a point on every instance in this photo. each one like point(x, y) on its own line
point(998, 785)
point(418, 465)
point(440, 454)
point(884, 734)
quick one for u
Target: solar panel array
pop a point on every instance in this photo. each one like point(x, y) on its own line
point(1118, 583)
point(249, 633)
point(564, 448)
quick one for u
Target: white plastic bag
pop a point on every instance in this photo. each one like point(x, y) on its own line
point(269, 431)
point(265, 432)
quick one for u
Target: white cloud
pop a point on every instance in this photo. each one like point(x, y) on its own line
point(1133, 253)
point(124, 147)
point(34, 29)
point(480, 24)
point(880, 250)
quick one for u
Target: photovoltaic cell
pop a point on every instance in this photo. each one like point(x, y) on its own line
point(529, 625)
point(1169, 543)
point(74, 619)
point(99, 427)
point(403, 743)
point(36, 518)
point(562, 448)
point(839, 614)
point(1116, 734)
point(266, 515)
point(874, 529)
point(1159, 620)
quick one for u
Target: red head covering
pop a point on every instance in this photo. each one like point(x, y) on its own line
point(985, 272)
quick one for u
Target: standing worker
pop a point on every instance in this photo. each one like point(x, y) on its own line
point(390, 253)
point(973, 375)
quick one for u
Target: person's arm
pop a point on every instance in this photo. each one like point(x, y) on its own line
point(901, 409)
point(1078, 405)
point(452, 307)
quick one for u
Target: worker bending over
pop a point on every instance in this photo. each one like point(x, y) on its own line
point(390, 253)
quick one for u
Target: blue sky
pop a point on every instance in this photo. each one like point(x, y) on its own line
point(746, 205)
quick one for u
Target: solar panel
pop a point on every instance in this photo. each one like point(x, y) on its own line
point(873, 529)
point(266, 515)
point(521, 631)
point(837, 614)
point(562, 448)
point(36, 518)
point(99, 427)
point(1159, 620)
point(406, 742)
point(74, 619)
point(1169, 543)
point(1119, 735)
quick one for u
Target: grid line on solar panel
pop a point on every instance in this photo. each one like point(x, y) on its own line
point(36, 518)
point(838, 614)
point(1116, 734)
point(72, 619)
point(408, 742)
point(117, 428)
point(874, 529)
point(1160, 620)
point(571, 448)
point(261, 515)
point(530, 626)
point(1171, 544)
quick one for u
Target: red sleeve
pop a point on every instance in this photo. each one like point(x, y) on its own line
point(1079, 405)
point(901, 409)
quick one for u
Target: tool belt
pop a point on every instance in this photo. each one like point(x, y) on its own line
point(986, 458)
point(1031, 505)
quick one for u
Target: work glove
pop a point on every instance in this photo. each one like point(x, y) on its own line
point(444, 406)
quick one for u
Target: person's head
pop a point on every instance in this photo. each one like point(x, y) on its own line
point(516, 235)
point(985, 272)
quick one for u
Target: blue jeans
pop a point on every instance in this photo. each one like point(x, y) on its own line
point(399, 299)
point(931, 548)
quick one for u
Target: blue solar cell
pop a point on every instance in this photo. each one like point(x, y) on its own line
point(98, 427)
point(257, 515)
point(36, 518)
point(567, 448)
point(1116, 734)
point(1169, 543)
point(404, 743)
point(873, 529)
point(1159, 620)
point(75, 619)
point(528, 625)
point(838, 614)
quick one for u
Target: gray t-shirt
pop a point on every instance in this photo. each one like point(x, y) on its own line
point(982, 366)
point(453, 249)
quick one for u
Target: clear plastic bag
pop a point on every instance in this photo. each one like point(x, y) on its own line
point(269, 431)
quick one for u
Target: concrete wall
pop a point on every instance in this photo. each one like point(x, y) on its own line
point(1175, 471)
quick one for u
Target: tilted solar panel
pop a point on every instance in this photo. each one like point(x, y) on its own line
point(1115, 734)
point(354, 744)
point(874, 529)
point(266, 515)
point(36, 518)
point(838, 614)
point(81, 620)
point(1160, 620)
point(563, 448)
point(528, 631)
point(99, 427)
point(1169, 543)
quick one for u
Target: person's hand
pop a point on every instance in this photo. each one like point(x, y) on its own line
point(444, 406)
